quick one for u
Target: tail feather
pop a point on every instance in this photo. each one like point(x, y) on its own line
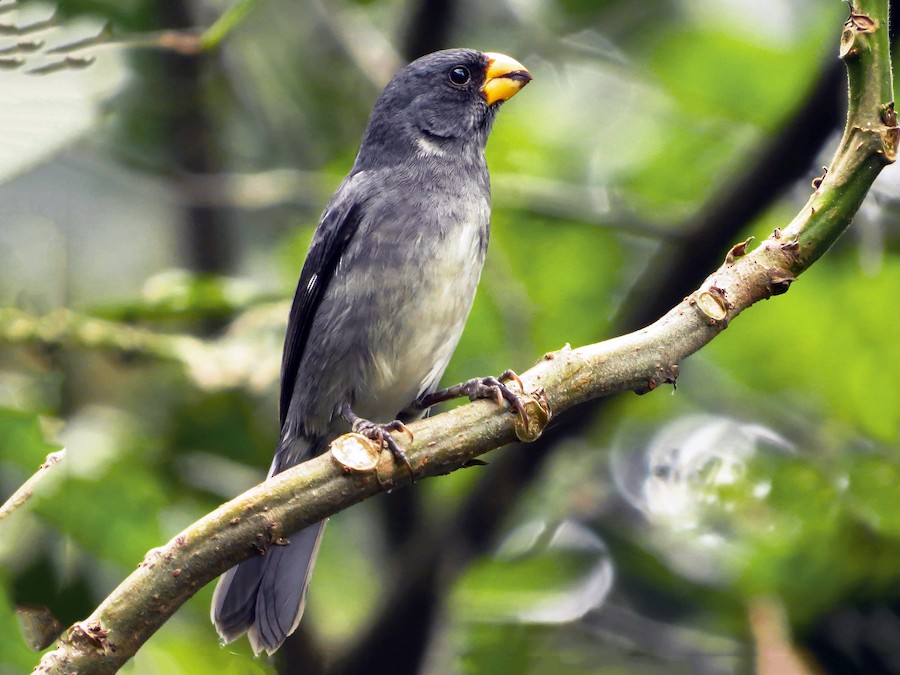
point(234, 601)
point(265, 596)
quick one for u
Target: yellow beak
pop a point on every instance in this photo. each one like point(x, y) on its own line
point(504, 77)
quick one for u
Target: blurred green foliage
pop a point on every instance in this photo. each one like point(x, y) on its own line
point(641, 111)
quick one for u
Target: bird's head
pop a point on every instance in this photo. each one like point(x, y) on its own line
point(445, 101)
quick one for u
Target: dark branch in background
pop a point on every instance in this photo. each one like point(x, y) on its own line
point(192, 137)
point(430, 26)
point(679, 266)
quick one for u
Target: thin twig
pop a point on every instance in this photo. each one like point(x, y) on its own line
point(26, 490)
point(231, 18)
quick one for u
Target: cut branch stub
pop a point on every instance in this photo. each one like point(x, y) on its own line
point(711, 303)
point(355, 452)
point(538, 416)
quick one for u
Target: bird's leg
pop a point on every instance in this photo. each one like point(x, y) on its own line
point(481, 387)
point(380, 433)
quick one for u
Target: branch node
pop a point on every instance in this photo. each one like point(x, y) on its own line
point(817, 182)
point(92, 635)
point(890, 135)
point(780, 282)
point(856, 24)
point(862, 23)
point(889, 114)
point(152, 556)
point(737, 251)
point(549, 356)
point(273, 533)
point(791, 248)
point(665, 374)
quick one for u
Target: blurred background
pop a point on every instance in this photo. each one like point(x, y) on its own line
point(156, 203)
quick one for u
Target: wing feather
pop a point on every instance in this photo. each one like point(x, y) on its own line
point(337, 227)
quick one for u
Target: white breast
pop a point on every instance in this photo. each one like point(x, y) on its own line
point(426, 330)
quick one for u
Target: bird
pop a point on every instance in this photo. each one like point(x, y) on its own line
point(381, 302)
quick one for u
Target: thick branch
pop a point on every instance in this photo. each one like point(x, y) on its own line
point(639, 361)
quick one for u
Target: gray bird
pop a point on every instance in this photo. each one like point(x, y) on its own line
point(382, 300)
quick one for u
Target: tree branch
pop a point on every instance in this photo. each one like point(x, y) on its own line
point(26, 490)
point(210, 363)
point(639, 361)
point(430, 24)
point(66, 327)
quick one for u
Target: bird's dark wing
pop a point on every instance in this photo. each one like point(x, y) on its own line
point(337, 227)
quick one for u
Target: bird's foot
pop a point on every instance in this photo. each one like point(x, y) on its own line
point(380, 433)
point(483, 387)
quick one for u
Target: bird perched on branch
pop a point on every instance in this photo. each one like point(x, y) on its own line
point(382, 300)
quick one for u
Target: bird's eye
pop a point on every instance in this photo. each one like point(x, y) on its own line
point(460, 75)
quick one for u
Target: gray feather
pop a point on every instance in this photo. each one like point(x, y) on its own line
point(265, 596)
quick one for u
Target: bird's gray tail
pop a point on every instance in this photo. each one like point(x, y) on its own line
point(265, 595)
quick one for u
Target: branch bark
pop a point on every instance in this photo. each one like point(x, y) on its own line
point(639, 361)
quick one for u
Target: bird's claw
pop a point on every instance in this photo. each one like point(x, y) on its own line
point(495, 387)
point(397, 425)
point(512, 376)
point(483, 387)
point(381, 434)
